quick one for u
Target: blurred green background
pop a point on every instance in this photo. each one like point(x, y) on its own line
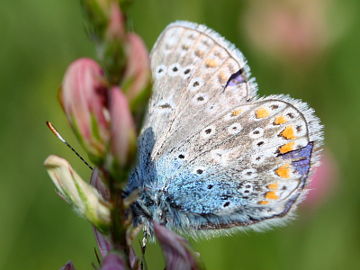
point(308, 49)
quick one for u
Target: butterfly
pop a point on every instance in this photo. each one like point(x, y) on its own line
point(214, 157)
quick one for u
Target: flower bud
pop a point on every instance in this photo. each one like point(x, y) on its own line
point(103, 243)
point(123, 135)
point(84, 198)
point(177, 252)
point(97, 182)
point(137, 74)
point(84, 97)
point(116, 24)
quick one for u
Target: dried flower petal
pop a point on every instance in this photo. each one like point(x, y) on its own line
point(85, 199)
point(178, 255)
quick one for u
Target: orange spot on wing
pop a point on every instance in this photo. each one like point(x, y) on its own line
point(222, 77)
point(283, 171)
point(273, 186)
point(286, 147)
point(199, 53)
point(262, 113)
point(280, 120)
point(288, 133)
point(211, 63)
point(263, 202)
point(235, 112)
point(271, 195)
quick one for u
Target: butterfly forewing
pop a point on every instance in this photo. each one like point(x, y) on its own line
point(191, 66)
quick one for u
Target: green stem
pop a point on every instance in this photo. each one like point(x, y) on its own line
point(118, 227)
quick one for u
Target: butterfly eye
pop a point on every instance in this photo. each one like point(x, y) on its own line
point(210, 186)
point(181, 156)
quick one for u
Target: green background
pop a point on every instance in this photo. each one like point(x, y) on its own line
point(39, 231)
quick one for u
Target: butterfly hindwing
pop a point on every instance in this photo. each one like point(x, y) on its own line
point(250, 164)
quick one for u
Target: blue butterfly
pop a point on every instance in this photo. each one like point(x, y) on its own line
point(213, 156)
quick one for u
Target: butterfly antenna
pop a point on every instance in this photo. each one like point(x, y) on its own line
point(57, 134)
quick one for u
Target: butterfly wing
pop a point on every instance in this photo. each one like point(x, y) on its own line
point(249, 166)
point(191, 66)
point(212, 156)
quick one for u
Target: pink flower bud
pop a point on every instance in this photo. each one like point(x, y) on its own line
point(116, 27)
point(123, 135)
point(83, 97)
point(137, 73)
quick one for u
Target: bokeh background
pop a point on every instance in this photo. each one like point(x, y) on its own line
point(307, 48)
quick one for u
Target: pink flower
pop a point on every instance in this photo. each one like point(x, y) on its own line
point(123, 134)
point(137, 74)
point(84, 98)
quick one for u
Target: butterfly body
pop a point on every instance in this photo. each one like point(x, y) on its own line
point(213, 156)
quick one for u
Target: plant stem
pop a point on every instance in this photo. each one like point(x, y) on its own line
point(118, 217)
